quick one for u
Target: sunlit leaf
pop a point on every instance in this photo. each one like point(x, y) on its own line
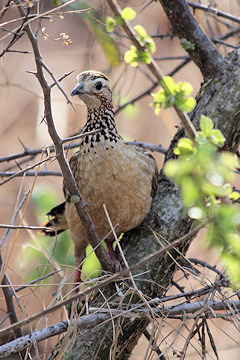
point(206, 124)
point(187, 105)
point(169, 84)
point(140, 30)
point(128, 14)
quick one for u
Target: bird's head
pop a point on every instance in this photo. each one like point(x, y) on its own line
point(93, 88)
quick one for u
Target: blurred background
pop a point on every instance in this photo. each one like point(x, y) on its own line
point(68, 42)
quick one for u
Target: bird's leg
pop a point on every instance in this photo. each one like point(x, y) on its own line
point(77, 281)
point(77, 277)
point(117, 265)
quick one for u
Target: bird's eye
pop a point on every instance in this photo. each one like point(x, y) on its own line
point(98, 85)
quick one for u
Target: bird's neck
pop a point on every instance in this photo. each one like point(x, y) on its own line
point(102, 119)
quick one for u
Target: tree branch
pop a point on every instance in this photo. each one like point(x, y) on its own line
point(214, 11)
point(105, 314)
point(205, 55)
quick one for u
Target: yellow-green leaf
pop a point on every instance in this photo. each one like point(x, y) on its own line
point(140, 30)
point(206, 124)
point(128, 14)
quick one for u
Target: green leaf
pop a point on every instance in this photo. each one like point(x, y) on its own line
point(228, 189)
point(190, 191)
point(119, 20)
point(229, 160)
point(206, 124)
point(131, 56)
point(217, 137)
point(140, 30)
point(128, 14)
point(169, 85)
point(110, 24)
point(171, 168)
point(187, 105)
point(150, 44)
point(184, 87)
point(91, 268)
point(186, 146)
point(160, 96)
point(235, 195)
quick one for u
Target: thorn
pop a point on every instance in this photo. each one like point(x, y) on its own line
point(62, 77)
point(31, 72)
point(18, 165)
point(43, 120)
point(25, 148)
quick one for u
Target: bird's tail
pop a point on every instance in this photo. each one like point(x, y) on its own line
point(57, 221)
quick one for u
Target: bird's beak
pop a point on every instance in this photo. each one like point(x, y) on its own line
point(79, 89)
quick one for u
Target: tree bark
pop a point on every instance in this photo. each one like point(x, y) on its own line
point(218, 99)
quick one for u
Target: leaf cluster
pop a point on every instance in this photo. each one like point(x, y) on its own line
point(133, 56)
point(174, 94)
point(204, 173)
point(127, 15)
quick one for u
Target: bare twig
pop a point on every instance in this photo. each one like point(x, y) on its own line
point(24, 227)
point(21, 172)
point(151, 147)
point(214, 11)
point(104, 314)
point(26, 341)
point(13, 174)
point(51, 149)
point(20, 288)
point(8, 294)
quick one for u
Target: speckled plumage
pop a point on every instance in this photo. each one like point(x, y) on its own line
point(107, 170)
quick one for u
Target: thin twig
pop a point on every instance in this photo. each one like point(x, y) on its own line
point(214, 11)
point(25, 227)
point(13, 174)
point(21, 172)
point(104, 314)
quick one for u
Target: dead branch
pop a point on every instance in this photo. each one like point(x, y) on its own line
point(103, 315)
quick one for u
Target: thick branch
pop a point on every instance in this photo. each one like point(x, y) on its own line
point(205, 55)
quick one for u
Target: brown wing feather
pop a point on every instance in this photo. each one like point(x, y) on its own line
point(154, 168)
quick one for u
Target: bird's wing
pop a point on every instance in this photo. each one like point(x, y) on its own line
point(155, 175)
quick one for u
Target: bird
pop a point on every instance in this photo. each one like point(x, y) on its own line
point(107, 171)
